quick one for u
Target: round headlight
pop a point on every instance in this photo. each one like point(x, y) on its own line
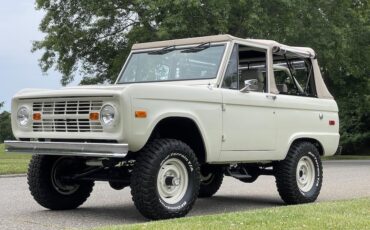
point(23, 116)
point(108, 115)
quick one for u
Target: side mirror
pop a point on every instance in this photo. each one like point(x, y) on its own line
point(250, 85)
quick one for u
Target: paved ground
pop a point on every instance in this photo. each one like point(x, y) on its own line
point(342, 180)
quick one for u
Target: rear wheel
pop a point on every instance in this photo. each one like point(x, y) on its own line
point(48, 186)
point(299, 175)
point(210, 180)
point(165, 179)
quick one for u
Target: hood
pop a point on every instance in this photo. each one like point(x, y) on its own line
point(103, 90)
point(93, 90)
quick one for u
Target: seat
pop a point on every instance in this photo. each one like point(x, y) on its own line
point(282, 88)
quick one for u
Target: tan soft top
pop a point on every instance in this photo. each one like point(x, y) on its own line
point(321, 89)
point(199, 40)
point(217, 38)
point(184, 41)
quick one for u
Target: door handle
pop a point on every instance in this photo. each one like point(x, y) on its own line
point(271, 96)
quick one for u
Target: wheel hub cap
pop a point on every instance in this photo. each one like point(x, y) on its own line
point(172, 181)
point(305, 174)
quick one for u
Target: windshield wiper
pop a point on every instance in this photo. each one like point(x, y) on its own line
point(195, 49)
point(163, 51)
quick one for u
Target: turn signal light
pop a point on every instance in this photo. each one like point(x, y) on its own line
point(94, 116)
point(36, 116)
point(140, 114)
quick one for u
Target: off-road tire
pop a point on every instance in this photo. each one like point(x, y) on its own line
point(286, 174)
point(144, 179)
point(42, 190)
point(209, 187)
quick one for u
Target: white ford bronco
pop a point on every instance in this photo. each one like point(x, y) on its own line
point(182, 115)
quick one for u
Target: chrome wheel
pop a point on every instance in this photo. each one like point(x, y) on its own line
point(172, 181)
point(305, 174)
point(60, 168)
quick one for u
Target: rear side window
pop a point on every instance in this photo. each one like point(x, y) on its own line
point(294, 76)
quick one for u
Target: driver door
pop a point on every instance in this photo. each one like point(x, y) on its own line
point(249, 127)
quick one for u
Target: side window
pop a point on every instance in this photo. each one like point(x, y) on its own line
point(246, 69)
point(294, 76)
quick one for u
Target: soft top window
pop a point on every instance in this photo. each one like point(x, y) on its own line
point(294, 75)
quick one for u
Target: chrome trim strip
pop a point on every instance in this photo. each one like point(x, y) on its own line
point(110, 150)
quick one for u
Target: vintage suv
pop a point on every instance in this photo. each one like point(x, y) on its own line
point(181, 115)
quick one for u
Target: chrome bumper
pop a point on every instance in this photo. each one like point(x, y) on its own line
point(68, 148)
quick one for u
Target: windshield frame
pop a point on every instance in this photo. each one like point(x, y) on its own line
point(219, 70)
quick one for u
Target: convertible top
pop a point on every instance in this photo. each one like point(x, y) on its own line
point(306, 52)
point(223, 38)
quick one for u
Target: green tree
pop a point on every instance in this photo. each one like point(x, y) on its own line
point(5, 126)
point(93, 38)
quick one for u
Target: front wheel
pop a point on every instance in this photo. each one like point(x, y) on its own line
point(165, 179)
point(49, 189)
point(299, 175)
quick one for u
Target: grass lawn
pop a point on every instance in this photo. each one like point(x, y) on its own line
point(352, 214)
point(11, 163)
point(348, 157)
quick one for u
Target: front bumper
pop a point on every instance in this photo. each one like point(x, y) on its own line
point(110, 150)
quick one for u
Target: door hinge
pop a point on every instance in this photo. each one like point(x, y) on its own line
point(223, 138)
point(223, 107)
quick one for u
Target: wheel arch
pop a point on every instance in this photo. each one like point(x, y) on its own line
point(313, 141)
point(191, 134)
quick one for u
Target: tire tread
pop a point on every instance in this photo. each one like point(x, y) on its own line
point(142, 186)
point(285, 174)
point(39, 183)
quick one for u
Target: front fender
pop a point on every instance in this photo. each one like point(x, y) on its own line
point(200, 104)
point(142, 130)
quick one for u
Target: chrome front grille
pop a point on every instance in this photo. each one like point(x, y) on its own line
point(67, 107)
point(67, 125)
point(69, 115)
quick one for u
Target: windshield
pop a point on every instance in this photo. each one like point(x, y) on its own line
point(171, 64)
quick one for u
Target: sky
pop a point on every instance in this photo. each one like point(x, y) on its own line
point(19, 69)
